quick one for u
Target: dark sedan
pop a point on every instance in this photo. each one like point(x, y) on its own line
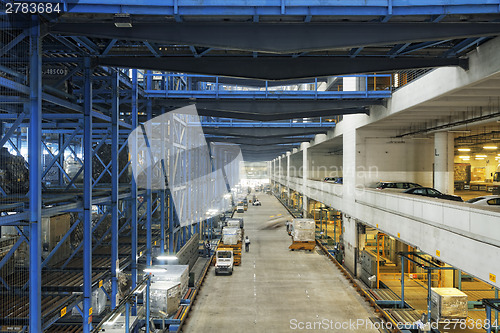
point(433, 193)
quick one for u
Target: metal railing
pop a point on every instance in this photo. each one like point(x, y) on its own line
point(175, 85)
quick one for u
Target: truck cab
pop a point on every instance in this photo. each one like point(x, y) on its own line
point(224, 261)
point(240, 208)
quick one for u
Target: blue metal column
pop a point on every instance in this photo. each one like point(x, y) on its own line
point(35, 192)
point(115, 170)
point(61, 158)
point(87, 197)
point(402, 281)
point(429, 287)
point(163, 203)
point(148, 289)
point(133, 194)
point(171, 224)
point(149, 207)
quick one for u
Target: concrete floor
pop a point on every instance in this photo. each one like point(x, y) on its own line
point(275, 286)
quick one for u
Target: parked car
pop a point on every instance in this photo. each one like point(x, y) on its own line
point(432, 193)
point(398, 186)
point(335, 180)
point(487, 200)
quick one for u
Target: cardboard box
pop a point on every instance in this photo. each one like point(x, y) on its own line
point(448, 303)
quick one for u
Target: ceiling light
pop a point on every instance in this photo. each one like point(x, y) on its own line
point(464, 157)
point(490, 147)
point(166, 258)
point(463, 149)
point(479, 158)
point(123, 21)
point(482, 156)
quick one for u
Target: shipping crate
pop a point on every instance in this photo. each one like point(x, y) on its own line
point(448, 304)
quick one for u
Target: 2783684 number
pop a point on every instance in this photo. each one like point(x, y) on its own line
point(469, 324)
point(32, 8)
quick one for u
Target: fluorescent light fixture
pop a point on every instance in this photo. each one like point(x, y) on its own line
point(464, 157)
point(490, 147)
point(459, 131)
point(463, 149)
point(166, 258)
point(155, 270)
point(484, 156)
point(112, 320)
point(479, 158)
point(123, 21)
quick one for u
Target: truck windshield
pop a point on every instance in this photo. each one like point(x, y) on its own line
point(223, 254)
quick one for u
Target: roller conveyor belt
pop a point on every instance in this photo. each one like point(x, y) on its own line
point(64, 329)
point(123, 250)
point(98, 263)
point(68, 281)
point(14, 309)
point(405, 315)
point(141, 237)
point(384, 295)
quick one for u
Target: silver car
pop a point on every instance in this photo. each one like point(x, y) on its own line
point(487, 200)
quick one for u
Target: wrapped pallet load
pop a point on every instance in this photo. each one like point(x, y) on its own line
point(303, 234)
point(303, 230)
point(172, 273)
point(165, 298)
point(230, 236)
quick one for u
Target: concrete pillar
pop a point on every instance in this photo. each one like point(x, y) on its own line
point(279, 169)
point(305, 176)
point(288, 154)
point(444, 146)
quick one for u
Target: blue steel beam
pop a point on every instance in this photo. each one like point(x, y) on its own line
point(462, 46)
point(19, 38)
point(115, 112)
point(133, 222)
point(87, 200)
point(109, 47)
point(35, 192)
point(152, 48)
point(149, 198)
point(280, 7)
point(283, 38)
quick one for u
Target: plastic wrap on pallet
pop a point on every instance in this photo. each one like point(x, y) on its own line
point(165, 298)
point(98, 303)
point(306, 235)
point(53, 230)
point(303, 230)
point(172, 273)
point(448, 303)
point(14, 175)
point(234, 223)
point(230, 236)
point(303, 224)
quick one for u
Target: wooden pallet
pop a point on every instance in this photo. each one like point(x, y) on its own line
point(302, 246)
